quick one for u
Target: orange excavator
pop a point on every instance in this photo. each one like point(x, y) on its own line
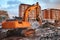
point(19, 26)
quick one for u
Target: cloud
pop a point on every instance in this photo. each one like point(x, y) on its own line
point(9, 3)
point(13, 2)
point(28, 1)
point(55, 1)
point(12, 5)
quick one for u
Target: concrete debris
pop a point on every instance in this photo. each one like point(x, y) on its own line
point(34, 24)
point(41, 33)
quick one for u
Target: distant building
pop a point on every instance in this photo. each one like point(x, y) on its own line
point(45, 14)
point(51, 14)
point(22, 9)
point(3, 15)
point(54, 14)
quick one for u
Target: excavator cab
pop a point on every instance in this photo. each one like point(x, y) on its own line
point(19, 19)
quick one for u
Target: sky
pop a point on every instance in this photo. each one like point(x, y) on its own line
point(12, 6)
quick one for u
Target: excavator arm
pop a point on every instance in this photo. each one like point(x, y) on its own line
point(33, 7)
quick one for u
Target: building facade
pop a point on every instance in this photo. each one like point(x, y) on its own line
point(22, 9)
point(3, 15)
point(51, 14)
point(45, 14)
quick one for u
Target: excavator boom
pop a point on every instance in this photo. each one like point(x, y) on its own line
point(33, 7)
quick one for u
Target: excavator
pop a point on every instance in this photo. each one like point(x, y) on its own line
point(20, 26)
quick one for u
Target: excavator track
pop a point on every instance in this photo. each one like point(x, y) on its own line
point(17, 33)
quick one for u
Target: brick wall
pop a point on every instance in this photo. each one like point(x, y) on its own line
point(52, 14)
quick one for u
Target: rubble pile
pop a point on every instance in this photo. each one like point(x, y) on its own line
point(40, 34)
point(45, 32)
